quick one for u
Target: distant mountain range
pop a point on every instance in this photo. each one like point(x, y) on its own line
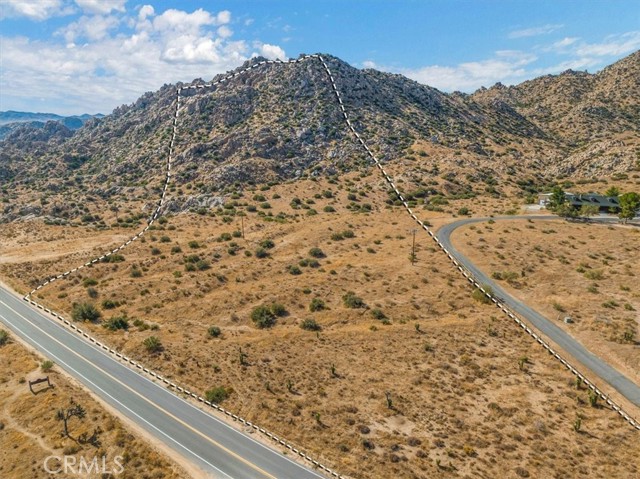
point(281, 122)
point(10, 120)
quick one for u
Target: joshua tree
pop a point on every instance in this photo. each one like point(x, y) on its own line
point(75, 410)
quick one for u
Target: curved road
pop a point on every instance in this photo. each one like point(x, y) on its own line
point(600, 367)
point(214, 446)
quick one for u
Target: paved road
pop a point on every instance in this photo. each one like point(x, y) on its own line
point(214, 446)
point(599, 366)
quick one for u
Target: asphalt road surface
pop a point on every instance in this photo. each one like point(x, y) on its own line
point(597, 365)
point(211, 444)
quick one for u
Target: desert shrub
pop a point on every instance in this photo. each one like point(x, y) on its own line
point(114, 258)
point(278, 309)
point(377, 313)
point(110, 304)
point(267, 244)
point(4, 337)
point(190, 267)
point(152, 344)
point(310, 324)
point(595, 274)
point(117, 322)
point(329, 209)
point(217, 394)
point(46, 366)
point(202, 265)
point(464, 211)
point(352, 301)
point(316, 305)
point(194, 244)
point(294, 270)
point(348, 234)
point(85, 312)
point(92, 292)
point(135, 272)
point(337, 236)
point(89, 282)
point(155, 251)
point(263, 317)
point(165, 239)
point(316, 253)
point(479, 296)
point(176, 249)
point(225, 237)
point(214, 331)
point(261, 253)
point(192, 258)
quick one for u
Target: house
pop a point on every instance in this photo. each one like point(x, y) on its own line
point(605, 204)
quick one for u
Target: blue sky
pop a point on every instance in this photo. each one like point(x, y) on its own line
point(76, 56)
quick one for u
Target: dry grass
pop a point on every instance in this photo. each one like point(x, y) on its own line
point(583, 271)
point(29, 432)
point(461, 403)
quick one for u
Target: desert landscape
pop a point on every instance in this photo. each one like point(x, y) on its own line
point(246, 242)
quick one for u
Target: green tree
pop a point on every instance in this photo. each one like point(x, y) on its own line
point(588, 210)
point(629, 206)
point(557, 199)
point(565, 210)
point(613, 191)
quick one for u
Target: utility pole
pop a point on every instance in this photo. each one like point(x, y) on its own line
point(413, 247)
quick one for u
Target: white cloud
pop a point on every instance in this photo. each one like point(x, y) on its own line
point(181, 21)
point(272, 52)
point(613, 45)
point(32, 9)
point(224, 31)
point(507, 66)
point(223, 17)
point(146, 11)
point(101, 61)
point(101, 7)
point(95, 27)
point(535, 31)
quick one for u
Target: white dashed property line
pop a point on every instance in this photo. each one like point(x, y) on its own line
point(468, 275)
point(135, 237)
point(389, 180)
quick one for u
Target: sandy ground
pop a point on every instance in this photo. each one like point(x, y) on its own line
point(470, 396)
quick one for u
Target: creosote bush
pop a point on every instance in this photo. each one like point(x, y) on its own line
point(117, 322)
point(4, 337)
point(214, 331)
point(217, 394)
point(316, 253)
point(352, 301)
point(316, 305)
point(46, 366)
point(152, 344)
point(264, 316)
point(85, 312)
point(310, 324)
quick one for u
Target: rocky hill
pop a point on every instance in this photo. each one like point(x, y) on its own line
point(280, 122)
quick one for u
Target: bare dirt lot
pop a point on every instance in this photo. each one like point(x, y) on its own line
point(409, 376)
